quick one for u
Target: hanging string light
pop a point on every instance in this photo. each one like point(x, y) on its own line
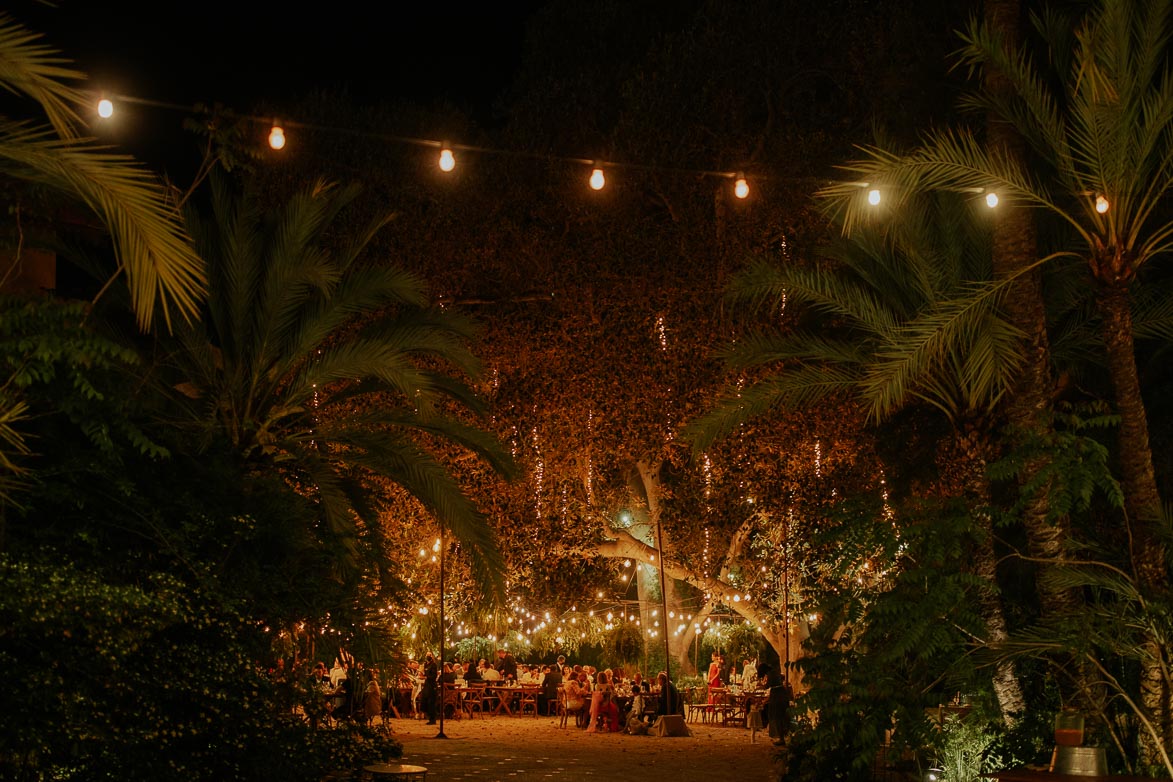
point(874, 197)
point(991, 200)
point(597, 180)
point(741, 187)
point(446, 161)
point(1101, 203)
point(277, 137)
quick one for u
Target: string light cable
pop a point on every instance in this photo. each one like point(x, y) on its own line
point(447, 152)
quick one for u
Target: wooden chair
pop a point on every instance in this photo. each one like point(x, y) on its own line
point(527, 699)
point(454, 697)
point(474, 700)
point(564, 711)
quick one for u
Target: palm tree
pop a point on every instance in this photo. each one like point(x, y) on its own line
point(1100, 134)
point(150, 244)
point(162, 270)
point(880, 292)
point(331, 371)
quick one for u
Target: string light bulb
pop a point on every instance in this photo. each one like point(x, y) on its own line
point(991, 200)
point(597, 181)
point(1101, 204)
point(741, 187)
point(447, 160)
point(105, 108)
point(874, 197)
point(277, 137)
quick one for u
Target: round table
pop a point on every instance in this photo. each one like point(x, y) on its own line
point(396, 771)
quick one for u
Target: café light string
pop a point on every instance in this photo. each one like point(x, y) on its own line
point(447, 158)
point(447, 153)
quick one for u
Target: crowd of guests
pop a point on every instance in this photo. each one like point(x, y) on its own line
point(599, 700)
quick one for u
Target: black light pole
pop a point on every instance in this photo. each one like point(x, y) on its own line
point(786, 592)
point(663, 598)
point(440, 670)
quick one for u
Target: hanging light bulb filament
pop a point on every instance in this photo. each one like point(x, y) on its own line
point(741, 187)
point(447, 160)
point(277, 137)
point(598, 181)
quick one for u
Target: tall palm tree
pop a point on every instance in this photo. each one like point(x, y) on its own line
point(164, 274)
point(1099, 130)
point(332, 371)
point(879, 292)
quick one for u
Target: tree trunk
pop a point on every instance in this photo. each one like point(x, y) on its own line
point(963, 471)
point(626, 546)
point(1142, 501)
point(1028, 405)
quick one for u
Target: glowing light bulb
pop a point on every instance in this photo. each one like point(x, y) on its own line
point(105, 108)
point(447, 160)
point(598, 181)
point(277, 137)
point(1102, 204)
point(991, 200)
point(741, 187)
point(874, 197)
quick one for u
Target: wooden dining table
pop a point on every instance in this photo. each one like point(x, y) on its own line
point(507, 695)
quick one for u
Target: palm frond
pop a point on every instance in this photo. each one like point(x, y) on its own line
point(428, 481)
point(949, 328)
point(792, 389)
point(31, 68)
point(163, 271)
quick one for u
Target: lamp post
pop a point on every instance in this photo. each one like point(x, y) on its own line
point(786, 592)
point(663, 598)
point(440, 670)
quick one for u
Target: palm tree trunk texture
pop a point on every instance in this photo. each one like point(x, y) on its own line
point(963, 468)
point(1142, 501)
point(1015, 247)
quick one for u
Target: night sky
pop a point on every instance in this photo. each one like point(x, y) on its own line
point(241, 55)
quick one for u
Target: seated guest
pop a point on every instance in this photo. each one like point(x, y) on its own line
point(551, 679)
point(575, 698)
point(491, 674)
point(669, 697)
point(601, 694)
point(449, 675)
point(471, 674)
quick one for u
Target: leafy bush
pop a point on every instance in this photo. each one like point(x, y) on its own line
point(145, 681)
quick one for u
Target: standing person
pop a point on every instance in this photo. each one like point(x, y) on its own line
point(749, 675)
point(725, 669)
point(428, 691)
point(714, 677)
point(507, 665)
point(778, 705)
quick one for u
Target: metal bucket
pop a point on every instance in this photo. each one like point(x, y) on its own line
point(1081, 761)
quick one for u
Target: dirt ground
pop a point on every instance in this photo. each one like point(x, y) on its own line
point(535, 749)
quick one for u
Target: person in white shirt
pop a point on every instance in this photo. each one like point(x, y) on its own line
point(337, 673)
point(491, 674)
point(749, 675)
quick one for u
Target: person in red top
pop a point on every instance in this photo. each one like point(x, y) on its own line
point(714, 679)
